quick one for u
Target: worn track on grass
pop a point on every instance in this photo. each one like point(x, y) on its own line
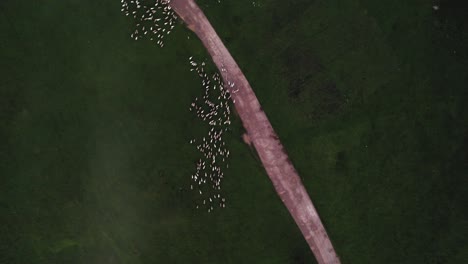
point(282, 173)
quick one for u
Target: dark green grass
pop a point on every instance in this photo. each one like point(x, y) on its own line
point(368, 98)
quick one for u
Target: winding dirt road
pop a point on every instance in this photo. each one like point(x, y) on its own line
point(284, 176)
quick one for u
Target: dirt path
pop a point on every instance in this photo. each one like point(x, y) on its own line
point(270, 150)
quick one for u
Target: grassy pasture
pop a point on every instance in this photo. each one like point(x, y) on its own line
point(368, 97)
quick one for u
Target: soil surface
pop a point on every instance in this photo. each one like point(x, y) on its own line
point(261, 134)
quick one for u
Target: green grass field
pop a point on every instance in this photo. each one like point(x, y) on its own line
point(368, 97)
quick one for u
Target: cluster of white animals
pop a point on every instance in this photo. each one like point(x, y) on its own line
point(213, 108)
point(154, 18)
